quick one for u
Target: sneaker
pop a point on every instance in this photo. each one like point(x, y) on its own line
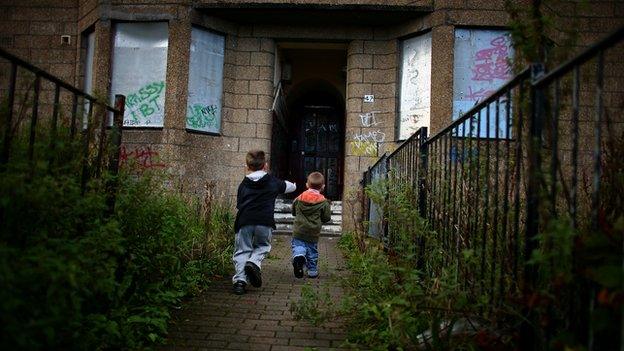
point(312, 274)
point(239, 287)
point(253, 274)
point(298, 263)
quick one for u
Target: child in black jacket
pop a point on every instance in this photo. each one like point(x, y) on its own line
point(254, 221)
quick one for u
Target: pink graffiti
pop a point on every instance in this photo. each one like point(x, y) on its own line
point(143, 156)
point(478, 94)
point(491, 63)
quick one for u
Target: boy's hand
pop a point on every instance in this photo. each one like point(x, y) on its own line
point(290, 187)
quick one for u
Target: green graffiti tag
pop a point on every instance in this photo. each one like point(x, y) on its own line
point(202, 116)
point(144, 103)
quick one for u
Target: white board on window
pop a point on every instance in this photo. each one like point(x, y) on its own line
point(88, 74)
point(205, 87)
point(415, 96)
point(139, 71)
point(481, 66)
point(88, 62)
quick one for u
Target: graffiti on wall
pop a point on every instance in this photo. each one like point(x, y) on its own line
point(492, 62)
point(142, 157)
point(139, 67)
point(482, 65)
point(365, 143)
point(144, 103)
point(415, 96)
point(205, 85)
point(202, 117)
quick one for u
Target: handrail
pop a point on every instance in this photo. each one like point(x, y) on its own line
point(524, 74)
point(583, 57)
point(414, 135)
point(494, 196)
point(42, 73)
point(382, 157)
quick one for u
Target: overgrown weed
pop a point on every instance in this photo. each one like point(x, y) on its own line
point(76, 276)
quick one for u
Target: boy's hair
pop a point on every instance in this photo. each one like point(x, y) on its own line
point(316, 180)
point(255, 160)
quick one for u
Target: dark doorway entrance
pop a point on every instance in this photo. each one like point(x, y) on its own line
point(320, 147)
point(309, 130)
point(315, 134)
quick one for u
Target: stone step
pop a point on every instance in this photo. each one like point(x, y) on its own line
point(323, 234)
point(288, 218)
point(286, 207)
point(284, 219)
point(330, 228)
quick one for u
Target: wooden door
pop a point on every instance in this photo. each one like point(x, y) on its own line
point(321, 148)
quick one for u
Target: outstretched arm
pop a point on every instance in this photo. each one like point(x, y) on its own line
point(290, 187)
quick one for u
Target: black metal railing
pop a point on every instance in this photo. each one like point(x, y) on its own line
point(536, 156)
point(49, 112)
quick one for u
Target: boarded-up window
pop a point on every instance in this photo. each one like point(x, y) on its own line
point(482, 65)
point(139, 69)
point(415, 96)
point(205, 87)
point(88, 62)
point(89, 41)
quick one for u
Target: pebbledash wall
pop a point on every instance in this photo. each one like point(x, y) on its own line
point(378, 35)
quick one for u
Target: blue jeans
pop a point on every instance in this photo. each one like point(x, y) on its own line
point(308, 250)
point(252, 243)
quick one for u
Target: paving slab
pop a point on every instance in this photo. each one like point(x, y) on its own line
point(262, 319)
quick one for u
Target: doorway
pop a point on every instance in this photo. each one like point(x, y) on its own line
point(309, 131)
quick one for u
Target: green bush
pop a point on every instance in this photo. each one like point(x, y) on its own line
point(76, 277)
point(394, 303)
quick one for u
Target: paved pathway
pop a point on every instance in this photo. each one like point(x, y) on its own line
point(261, 319)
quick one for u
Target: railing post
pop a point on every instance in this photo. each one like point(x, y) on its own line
point(363, 199)
point(536, 121)
point(8, 123)
point(113, 164)
point(386, 213)
point(534, 168)
point(423, 149)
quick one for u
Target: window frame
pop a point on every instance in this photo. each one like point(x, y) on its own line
point(224, 35)
point(513, 74)
point(113, 30)
point(399, 81)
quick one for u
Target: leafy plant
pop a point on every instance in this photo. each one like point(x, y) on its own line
point(315, 306)
point(76, 276)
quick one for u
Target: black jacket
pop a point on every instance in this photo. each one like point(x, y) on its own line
point(256, 201)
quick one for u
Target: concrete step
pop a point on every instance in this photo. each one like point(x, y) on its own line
point(289, 232)
point(288, 218)
point(284, 219)
point(286, 207)
point(332, 228)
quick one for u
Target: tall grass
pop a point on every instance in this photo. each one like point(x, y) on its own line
point(75, 276)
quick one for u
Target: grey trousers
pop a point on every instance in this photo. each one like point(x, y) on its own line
point(252, 243)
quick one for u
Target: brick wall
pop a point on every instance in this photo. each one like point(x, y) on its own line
point(327, 2)
point(32, 30)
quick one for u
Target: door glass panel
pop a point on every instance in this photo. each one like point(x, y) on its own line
point(321, 164)
point(310, 133)
point(308, 166)
point(322, 131)
point(333, 137)
point(332, 178)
